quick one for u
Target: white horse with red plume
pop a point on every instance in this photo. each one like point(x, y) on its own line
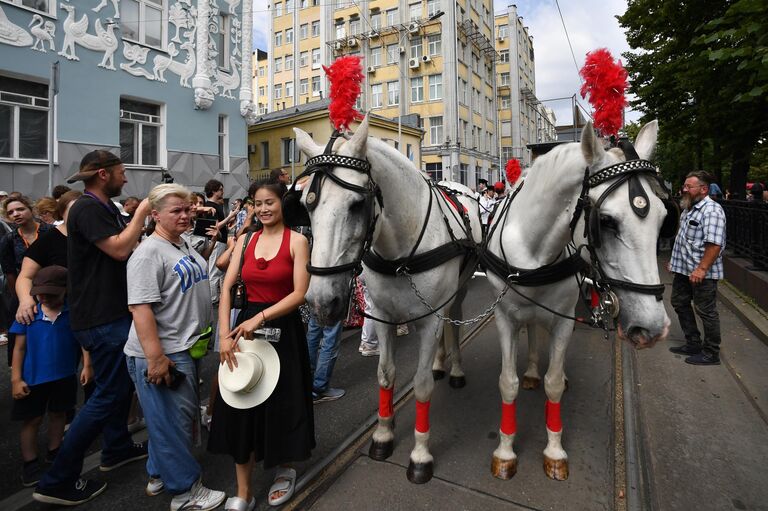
point(369, 205)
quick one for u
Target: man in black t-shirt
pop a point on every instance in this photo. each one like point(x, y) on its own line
point(98, 246)
point(214, 198)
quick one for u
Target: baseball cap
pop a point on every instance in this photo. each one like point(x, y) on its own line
point(51, 280)
point(92, 163)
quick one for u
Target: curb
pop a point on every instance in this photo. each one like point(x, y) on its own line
point(755, 318)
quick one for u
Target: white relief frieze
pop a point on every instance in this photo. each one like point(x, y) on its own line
point(185, 69)
point(181, 17)
point(76, 32)
point(115, 4)
point(42, 31)
point(13, 34)
point(233, 4)
point(137, 55)
point(227, 82)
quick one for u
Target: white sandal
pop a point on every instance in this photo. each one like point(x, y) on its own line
point(238, 504)
point(285, 481)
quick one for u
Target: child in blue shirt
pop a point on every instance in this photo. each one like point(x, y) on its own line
point(44, 367)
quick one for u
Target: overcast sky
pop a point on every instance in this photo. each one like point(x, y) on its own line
point(591, 24)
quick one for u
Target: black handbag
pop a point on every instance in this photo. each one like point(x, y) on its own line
point(238, 292)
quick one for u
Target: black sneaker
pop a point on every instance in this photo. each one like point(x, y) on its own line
point(135, 453)
point(703, 359)
point(81, 491)
point(30, 473)
point(686, 349)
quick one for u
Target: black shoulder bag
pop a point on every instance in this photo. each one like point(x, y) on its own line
point(238, 293)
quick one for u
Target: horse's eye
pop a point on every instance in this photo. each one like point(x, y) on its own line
point(608, 222)
point(357, 205)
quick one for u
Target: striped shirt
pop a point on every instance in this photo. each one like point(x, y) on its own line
point(703, 223)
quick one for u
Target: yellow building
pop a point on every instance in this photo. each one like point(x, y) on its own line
point(432, 58)
point(271, 139)
point(523, 119)
point(260, 81)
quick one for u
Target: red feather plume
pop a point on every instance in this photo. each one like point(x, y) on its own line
point(605, 80)
point(513, 171)
point(345, 75)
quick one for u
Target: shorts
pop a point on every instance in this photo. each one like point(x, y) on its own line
point(53, 396)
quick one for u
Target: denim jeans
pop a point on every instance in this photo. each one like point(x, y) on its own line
point(170, 416)
point(323, 344)
point(704, 298)
point(105, 412)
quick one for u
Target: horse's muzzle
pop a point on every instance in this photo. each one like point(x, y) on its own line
point(328, 311)
point(640, 337)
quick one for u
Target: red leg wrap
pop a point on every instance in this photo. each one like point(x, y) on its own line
point(552, 413)
point(508, 419)
point(385, 402)
point(594, 298)
point(422, 416)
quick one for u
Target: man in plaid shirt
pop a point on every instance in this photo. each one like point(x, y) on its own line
point(697, 265)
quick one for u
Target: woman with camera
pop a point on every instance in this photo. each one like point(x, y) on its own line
point(170, 299)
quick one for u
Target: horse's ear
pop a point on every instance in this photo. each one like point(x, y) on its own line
point(645, 143)
point(357, 144)
point(306, 144)
point(591, 147)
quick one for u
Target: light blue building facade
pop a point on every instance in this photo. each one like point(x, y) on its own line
point(166, 84)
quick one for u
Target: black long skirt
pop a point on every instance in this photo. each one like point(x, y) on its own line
point(281, 429)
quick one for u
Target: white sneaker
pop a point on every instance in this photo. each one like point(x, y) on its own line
point(155, 486)
point(369, 352)
point(3, 339)
point(198, 498)
point(205, 419)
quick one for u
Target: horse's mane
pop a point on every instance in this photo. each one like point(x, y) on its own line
point(391, 153)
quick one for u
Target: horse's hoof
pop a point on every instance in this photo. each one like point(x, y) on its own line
point(531, 383)
point(380, 451)
point(438, 374)
point(556, 469)
point(419, 473)
point(457, 382)
point(503, 469)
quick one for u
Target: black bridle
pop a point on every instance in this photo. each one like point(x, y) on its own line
point(625, 172)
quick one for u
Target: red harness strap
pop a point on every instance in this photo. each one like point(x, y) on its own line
point(458, 206)
point(508, 418)
point(594, 298)
point(385, 402)
point(422, 416)
point(552, 414)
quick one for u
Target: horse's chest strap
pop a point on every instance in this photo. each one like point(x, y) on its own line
point(419, 263)
point(543, 276)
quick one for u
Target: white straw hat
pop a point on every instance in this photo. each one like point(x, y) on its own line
point(255, 377)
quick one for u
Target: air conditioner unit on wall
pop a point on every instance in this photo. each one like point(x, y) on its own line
point(402, 49)
point(373, 34)
point(413, 63)
point(501, 38)
point(426, 58)
point(413, 28)
point(351, 42)
point(371, 69)
point(338, 46)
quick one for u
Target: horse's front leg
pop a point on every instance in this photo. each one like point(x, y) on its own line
point(420, 467)
point(555, 457)
point(504, 464)
point(438, 366)
point(457, 379)
point(531, 378)
point(383, 440)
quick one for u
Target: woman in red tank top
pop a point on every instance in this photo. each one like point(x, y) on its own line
point(280, 430)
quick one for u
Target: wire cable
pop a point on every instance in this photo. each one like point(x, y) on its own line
point(567, 37)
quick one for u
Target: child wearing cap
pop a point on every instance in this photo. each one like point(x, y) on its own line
point(43, 374)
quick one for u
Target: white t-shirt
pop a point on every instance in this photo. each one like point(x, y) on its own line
point(174, 279)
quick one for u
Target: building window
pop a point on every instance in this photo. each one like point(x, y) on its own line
point(278, 64)
point(278, 38)
point(376, 20)
point(376, 56)
point(288, 62)
point(340, 31)
point(414, 11)
point(304, 59)
point(435, 171)
point(223, 143)
point(261, 90)
point(463, 173)
point(315, 85)
point(288, 89)
point(287, 145)
point(304, 31)
point(278, 91)
point(409, 151)
point(436, 130)
point(417, 89)
point(288, 6)
point(140, 130)
point(393, 93)
point(416, 48)
point(462, 91)
point(221, 37)
point(262, 71)
point(376, 95)
point(288, 35)
point(304, 86)
point(303, 4)
point(37, 5)
point(504, 56)
point(278, 9)
point(432, 7)
point(315, 29)
point(354, 26)
point(436, 87)
point(141, 21)
point(503, 30)
point(435, 44)
point(315, 58)
point(392, 18)
point(393, 54)
point(265, 155)
point(504, 78)
point(23, 119)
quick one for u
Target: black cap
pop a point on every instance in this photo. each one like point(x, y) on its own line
point(51, 280)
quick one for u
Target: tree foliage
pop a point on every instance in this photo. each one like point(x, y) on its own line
point(701, 68)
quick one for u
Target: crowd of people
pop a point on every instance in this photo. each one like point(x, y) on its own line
point(125, 299)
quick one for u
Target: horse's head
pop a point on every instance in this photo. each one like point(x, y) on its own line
point(623, 230)
point(339, 201)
